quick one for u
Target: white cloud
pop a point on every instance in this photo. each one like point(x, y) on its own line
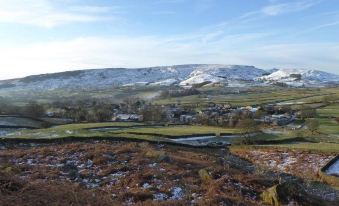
point(47, 13)
point(86, 53)
point(281, 8)
point(222, 43)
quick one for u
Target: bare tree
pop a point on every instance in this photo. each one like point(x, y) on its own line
point(307, 112)
point(312, 125)
point(247, 127)
point(33, 109)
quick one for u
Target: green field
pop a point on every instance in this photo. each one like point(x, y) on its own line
point(182, 130)
point(152, 133)
point(127, 131)
point(329, 111)
point(255, 96)
point(328, 139)
point(246, 96)
point(328, 125)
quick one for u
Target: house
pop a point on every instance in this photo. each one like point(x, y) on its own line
point(127, 117)
point(187, 119)
point(279, 120)
point(50, 114)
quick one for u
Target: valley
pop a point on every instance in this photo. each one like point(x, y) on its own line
point(206, 143)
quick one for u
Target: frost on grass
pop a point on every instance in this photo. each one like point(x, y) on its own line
point(134, 173)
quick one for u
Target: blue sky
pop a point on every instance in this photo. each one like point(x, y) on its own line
point(43, 36)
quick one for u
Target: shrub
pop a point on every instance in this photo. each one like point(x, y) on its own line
point(158, 155)
point(307, 112)
point(313, 125)
point(33, 109)
point(204, 175)
point(179, 92)
point(296, 76)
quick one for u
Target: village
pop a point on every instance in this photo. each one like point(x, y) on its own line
point(214, 114)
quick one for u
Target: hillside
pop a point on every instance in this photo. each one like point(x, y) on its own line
point(299, 77)
point(183, 75)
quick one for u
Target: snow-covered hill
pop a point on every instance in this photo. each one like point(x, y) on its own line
point(166, 75)
point(223, 73)
point(301, 77)
point(183, 75)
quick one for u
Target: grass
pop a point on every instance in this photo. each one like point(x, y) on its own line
point(182, 130)
point(16, 191)
point(327, 124)
point(329, 129)
point(98, 125)
point(322, 147)
point(20, 121)
point(20, 97)
point(329, 111)
point(267, 138)
point(255, 96)
point(170, 167)
point(70, 130)
point(149, 133)
point(316, 147)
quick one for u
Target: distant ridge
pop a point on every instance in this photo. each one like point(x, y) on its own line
point(183, 75)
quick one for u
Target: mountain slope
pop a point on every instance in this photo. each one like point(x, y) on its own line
point(232, 75)
point(166, 75)
point(298, 77)
point(223, 73)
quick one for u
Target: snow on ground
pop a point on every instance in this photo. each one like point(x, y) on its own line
point(234, 75)
point(307, 77)
point(166, 82)
point(201, 78)
point(294, 162)
point(99, 78)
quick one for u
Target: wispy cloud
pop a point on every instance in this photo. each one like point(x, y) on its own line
point(281, 8)
point(239, 40)
point(96, 52)
point(47, 13)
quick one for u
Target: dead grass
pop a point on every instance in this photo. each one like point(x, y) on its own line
point(128, 173)
point(14, 192)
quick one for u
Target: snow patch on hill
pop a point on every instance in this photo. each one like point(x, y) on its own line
point(223, 73)
point(201, 78)
point(300, 77)
point(231, 75)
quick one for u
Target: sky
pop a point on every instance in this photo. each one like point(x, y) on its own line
point(45, 36)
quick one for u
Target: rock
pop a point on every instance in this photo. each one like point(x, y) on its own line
point(71, 170)
point(287, 193)
point(270, 196)
point(177, 193)
point(146, 185)
point(160, 197)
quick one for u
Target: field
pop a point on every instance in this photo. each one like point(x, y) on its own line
point(111, 94)
point(153, 169)
point(120, 130)
point(234, 96)
point(329, 111)
point(255, 96)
